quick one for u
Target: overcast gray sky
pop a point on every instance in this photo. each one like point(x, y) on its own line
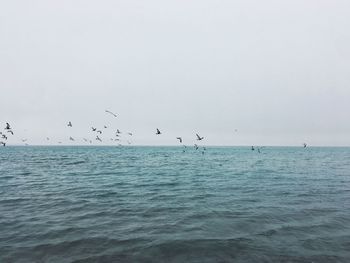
point(278, 71)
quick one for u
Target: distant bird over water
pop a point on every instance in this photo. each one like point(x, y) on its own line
point(180, 139)
point(158, 132)
point(304, 144)
point(199, 138)
point(253, 148)
point(115, 115)
point(8, 127)
point(3, 144)
point(98, 138)
point(71, 138)
point(69, 124)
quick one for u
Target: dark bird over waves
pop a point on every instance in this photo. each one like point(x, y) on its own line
point(180, 139)
point(158, 132)
point(69, 124)
point(199, 138)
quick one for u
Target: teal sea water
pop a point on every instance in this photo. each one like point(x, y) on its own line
point(159, 204)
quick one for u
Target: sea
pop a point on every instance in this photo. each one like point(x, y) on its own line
point(174, 204)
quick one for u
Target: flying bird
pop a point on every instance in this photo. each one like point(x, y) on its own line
point(8, 127)
point(305, 145)
point(85, 139)
point(180, 139)
point(98, 138)
point(115, 115)
point(47, 138)
point(93, 129)
point(10, 131)
point(253, 148)
point(130, 133)
point(158, 132)
point(71, 138)
point(196, 146)
point(105, 127)
point(4, 136)
point(3, 143)
point(199, 138)
point(100, 132)
point(24, 140)
point(70, 124)
point(118, 131)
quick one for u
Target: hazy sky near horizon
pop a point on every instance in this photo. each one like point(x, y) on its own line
point(278, 71)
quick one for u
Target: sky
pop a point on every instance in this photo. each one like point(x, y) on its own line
point(244, 72)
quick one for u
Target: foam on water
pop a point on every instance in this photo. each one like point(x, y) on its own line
point(156, 204)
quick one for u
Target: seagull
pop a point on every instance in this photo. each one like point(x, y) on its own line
point(199, 138)
point(71, 138)
point(4, 136)
point(179, 138)
point(118, 131)
point(93, 129)
point(130, 133)
point(115, 115)
point(100, 132)
point(10, 131)
point(70, 124)
point(305, 145)
point(158, 132)
point(3, 144)
point(196, 146)
point(253, 148)
point(98, 138)
point(105, 127)
point(8, 127)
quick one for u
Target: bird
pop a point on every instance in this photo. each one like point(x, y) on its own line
point(158, 132)
point(93, 129)
point(69, 124)
point(71, 138)
point(3, 143)
point(180, 139)
point(10, 131)
point(305, 145)
point(199, 138)
point(105, 126)
point(98, 138)
point(24, 140)
point(259, 150)
point(47, 138)
point(4, 136)
point(253, 148)
point(196, 146)
point(115, 115)
point(100, 132)
point(8, 127)
point(118, 131)
point(85, 139)
point(130, 133)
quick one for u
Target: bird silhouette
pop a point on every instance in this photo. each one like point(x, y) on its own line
point(158, 132)
point(180, 139)
point(8, 126)
point(3, 143)
point(305, 145)
point(71, 138)
point(115, 115)
point(10, 131)
point(69, 124)
point(93, 129)
point(98, 138)
point(199, 138)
